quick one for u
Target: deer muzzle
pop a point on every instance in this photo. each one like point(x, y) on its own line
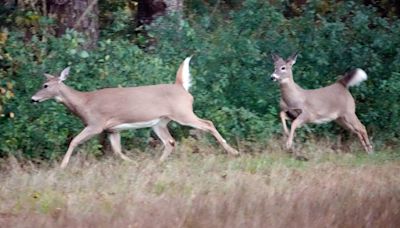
point(35, 99)
point(274, 77)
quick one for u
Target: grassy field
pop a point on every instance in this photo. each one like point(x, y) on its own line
point(199, 186)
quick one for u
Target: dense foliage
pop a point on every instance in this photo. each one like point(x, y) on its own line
point(230, 69)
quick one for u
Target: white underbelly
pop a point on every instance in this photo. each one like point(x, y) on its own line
point(323, 120)
point(326, 118)
point(136, 125)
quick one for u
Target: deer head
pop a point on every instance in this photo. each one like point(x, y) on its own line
point(283, 69)
point(51, 88)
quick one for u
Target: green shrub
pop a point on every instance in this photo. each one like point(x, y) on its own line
point(233, 61)
point(230, 69)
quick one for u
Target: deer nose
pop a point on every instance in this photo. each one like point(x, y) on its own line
point(33, 100)
point(274, 77)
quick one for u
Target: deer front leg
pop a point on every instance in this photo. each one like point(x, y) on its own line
point(169, 143)
point(115, 140)
point(284, 117)
point(295, 124)
point(85, 134)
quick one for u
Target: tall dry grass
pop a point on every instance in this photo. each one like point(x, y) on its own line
point(201, 187)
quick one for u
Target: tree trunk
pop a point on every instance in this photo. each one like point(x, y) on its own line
point(148, 10)
point(81, 15)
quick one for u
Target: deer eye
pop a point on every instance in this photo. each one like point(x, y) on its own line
point(283, 68)
point(45, 86)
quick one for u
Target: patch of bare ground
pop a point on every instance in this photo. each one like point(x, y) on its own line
point(206, 189)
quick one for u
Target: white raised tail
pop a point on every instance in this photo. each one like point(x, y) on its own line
point(183, 76)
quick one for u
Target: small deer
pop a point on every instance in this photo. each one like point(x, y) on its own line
point(112, 110)
point(330, 103)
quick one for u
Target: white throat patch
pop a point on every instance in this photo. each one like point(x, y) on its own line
point(285, 80)
point(58, 99)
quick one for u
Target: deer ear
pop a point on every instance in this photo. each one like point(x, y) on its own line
point(292, 58)
point(64, 74)
point(275, 57)
point(49, 76)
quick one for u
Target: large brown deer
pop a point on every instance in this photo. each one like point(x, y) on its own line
point(114, 109)
point(330, 103)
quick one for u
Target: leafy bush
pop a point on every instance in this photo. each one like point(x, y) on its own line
point(230, 69)
point(233, 61)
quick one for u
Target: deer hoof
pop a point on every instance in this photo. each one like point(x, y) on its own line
point(288, 145)
point(235, 153)
point(63, 165)
point(230, 150)
point(125, 158)
point(162, 159)
point(301, 158)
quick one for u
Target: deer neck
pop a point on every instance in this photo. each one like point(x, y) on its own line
point(291, 92)
point(71, 98)
point(288, 85)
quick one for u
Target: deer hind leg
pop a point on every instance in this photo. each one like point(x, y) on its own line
point(353, 123)
point(205, 125)
point(87, 133)
point(162, 132)
point(115, 140)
